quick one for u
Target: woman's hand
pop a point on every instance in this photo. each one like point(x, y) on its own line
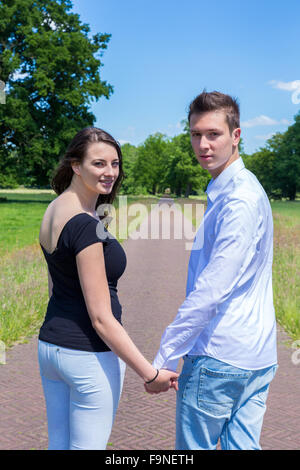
point(165, 380)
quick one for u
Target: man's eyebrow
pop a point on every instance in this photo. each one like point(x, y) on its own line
point(206, 130)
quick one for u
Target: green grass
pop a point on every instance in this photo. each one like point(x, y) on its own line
point(23, 294)
point(23, 272)
point(286, 265)
point(21, 215)
point(286, 271)
point(20, 218)
point(288, 211)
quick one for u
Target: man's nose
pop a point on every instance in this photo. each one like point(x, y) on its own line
point(203, 143)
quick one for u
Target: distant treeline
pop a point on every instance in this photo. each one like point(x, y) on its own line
point(163, 163)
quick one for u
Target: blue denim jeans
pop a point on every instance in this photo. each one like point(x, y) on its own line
point(82, 391)
point(218, 401)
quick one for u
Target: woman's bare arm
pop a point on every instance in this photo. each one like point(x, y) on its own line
point(92, 276)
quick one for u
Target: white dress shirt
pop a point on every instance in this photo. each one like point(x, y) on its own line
point(228, 313)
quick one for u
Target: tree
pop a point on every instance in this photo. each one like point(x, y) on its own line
point(263, 164)
point(150, 165)
point(277, 165)
point(184, 174)
point(288, 161)
point(51, 70)
point(130, 185)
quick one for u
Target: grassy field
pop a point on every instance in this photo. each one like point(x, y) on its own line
point(286, 265)
point(23, 286)
point(22, 212)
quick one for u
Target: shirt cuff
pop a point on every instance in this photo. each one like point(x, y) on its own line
point(161, 363)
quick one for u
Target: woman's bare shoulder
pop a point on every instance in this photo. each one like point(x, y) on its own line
point(57, 214)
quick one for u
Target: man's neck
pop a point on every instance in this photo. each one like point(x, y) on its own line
point(215, 173)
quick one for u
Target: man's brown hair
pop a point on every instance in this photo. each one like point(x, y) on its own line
point(216, 101)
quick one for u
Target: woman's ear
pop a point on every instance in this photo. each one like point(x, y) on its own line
point(75, 168)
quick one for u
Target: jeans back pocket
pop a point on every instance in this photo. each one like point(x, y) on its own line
point(218, 391)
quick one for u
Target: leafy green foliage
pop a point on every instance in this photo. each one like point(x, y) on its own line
point(161, 163)
point(51, 69)
point(277, 165)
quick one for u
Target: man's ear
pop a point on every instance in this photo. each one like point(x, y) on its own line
point(236, 135)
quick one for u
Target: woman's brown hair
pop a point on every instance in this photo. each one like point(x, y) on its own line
point(76, 152)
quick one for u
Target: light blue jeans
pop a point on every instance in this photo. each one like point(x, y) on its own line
point(218, 401)
point(82, 391)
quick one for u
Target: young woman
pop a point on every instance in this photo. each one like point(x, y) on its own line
point(83, 346)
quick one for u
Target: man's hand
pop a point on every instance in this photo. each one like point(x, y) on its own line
point(165, 380)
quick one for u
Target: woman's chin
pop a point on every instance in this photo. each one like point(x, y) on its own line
point(105, 190)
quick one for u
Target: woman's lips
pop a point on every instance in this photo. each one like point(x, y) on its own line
point(106, 183)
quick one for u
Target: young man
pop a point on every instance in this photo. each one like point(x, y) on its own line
point(225, 329)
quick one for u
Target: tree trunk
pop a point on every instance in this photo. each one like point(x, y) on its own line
point(187, 190)
point(292, 192)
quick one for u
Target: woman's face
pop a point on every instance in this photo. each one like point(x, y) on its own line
point(99, 169)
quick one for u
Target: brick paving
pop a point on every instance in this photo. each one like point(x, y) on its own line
point(151, 291)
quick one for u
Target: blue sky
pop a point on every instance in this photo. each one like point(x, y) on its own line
point(162, 53)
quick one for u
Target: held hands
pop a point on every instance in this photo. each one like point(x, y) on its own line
point(165, 380)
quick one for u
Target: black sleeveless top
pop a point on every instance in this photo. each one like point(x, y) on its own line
point(67, 322)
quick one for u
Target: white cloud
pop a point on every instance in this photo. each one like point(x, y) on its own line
point(263, 120)
point(293, 86)
point(176, 126)
point(173, 129)
point(264, 137)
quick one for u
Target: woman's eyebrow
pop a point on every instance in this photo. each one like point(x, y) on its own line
point(99, 159)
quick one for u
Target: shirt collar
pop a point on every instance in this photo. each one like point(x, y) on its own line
point(217, 185)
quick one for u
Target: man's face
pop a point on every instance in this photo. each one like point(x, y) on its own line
point(214, 146)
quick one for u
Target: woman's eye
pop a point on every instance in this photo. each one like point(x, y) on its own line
point(102, 164)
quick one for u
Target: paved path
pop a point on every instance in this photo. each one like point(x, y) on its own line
point(151, 292)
